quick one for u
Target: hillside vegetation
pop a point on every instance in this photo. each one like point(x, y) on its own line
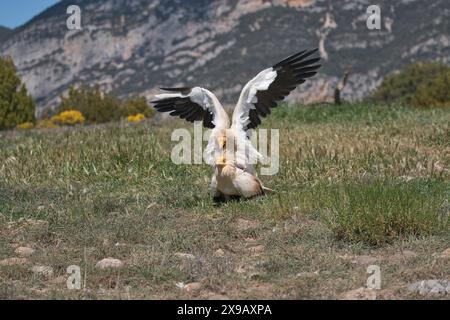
point(358, 185)
point(16, 105)
point(421, 85)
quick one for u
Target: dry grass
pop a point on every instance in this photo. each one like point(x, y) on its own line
point(355, 180)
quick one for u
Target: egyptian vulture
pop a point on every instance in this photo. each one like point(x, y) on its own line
point(229, 150)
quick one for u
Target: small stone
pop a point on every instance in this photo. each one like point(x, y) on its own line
point(250, 241)
point(219, 253)
point(438, 290)
point(307, 274)
point(408, 254)
point(193, 286)
point(360, 294)
point(180, 285)
point(257, 249)
point(186, 256)
point(24, 251)
point(109, 263)
point(58, 280)
point(403, 256)
point(243, 224)
point(417, 287)
point(445, 254)
point(13, 261)
point(255, 276)
point(363, 259)
point(218, 297)
point(45, 271)
point(407, 178)
point(430, 287)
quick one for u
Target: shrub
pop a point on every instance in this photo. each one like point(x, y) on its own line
point(136, 118)
point(99, 107)
point(69, 118)
point(16, 106)
point(95, 106)
point(137, 105)
point(435, 92)
point(420, 85)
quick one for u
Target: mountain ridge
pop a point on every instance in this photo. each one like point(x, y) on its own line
point(132, 47)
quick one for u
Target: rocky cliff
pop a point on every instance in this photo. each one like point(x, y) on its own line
point(133, 46)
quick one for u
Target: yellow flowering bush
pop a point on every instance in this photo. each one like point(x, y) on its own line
point(136, 118)
point(26, 125)
point(69, 118)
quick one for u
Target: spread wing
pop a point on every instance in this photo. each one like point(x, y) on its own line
point(192, 104)
point(272, 85)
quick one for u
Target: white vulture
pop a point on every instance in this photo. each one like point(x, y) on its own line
point(229, 149)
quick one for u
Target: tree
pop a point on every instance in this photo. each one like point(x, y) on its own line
point(16, 106)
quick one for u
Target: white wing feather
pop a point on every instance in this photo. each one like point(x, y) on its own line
point(246, 154)
point(205, 99)
point(248, 98)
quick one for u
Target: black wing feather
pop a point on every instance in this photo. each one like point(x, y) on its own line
point(183, 107)
point(291, 72)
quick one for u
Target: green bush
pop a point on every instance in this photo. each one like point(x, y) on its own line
point(136, 105)
point(96, 106)
point(16, 106)
point(99, 107)
point(420, 85)
point(435, 92)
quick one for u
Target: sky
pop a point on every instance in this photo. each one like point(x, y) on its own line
point(14, 13)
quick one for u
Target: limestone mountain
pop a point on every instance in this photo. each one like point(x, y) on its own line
point(133, 46)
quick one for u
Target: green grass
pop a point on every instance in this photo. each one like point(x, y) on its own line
point(377, 212)
point(367, 113)
point(354, 180)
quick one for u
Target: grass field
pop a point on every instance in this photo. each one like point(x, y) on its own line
point(358, 185)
